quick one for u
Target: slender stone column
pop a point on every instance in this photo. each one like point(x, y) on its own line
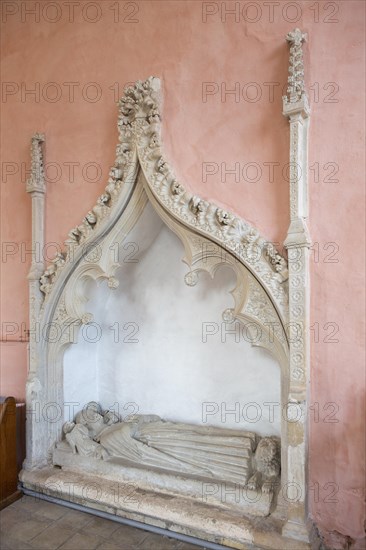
point(36, 186)
point(296, 109)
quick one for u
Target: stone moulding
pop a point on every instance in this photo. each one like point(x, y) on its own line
point(270, 293)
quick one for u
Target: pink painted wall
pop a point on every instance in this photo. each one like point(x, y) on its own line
point(170, 39)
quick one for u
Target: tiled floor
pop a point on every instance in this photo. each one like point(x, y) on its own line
point(38, 524)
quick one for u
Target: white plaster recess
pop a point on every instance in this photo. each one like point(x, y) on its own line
point(174, 342)
point(211, 238)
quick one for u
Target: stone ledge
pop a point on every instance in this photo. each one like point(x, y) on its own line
point(174, 513)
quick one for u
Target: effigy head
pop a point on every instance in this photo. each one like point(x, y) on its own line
point(68, 427)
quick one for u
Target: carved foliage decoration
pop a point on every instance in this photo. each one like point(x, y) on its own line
point(139, 126)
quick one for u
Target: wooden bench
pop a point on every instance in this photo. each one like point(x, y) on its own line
point(12, 448)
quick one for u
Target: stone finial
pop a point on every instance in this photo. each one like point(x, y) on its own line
point(296, 84)
point(296, 37)
point(36, 180)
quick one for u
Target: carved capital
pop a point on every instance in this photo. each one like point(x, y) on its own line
point(298, 234)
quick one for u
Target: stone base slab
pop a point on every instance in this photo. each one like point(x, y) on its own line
point(175, 513)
